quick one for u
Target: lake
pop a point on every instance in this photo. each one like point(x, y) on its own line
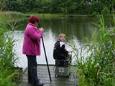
point(77, 29)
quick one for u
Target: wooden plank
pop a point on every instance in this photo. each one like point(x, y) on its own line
point(43, 76)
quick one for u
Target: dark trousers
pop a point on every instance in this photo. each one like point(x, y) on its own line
point(32, 70)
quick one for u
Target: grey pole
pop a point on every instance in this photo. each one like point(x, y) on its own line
point(46, 59)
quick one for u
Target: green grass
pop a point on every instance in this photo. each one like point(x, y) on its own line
point(6, 60)
point(13, 20)
point(8, 73)
point(98, 68)
point(8, 16)
point(46, 15)
point(10, 20)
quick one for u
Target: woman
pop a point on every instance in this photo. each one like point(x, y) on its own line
point(31, 48)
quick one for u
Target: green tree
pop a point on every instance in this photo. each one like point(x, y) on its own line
point(60, 6)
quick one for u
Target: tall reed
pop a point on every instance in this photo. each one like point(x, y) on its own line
point(98, 67)
point(8, 73)
point(6, 60)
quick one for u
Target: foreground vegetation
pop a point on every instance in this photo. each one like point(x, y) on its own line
point(6, 60)
point(9, 74)
point(97, 68)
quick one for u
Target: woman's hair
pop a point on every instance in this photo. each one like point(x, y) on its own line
point(34, 19)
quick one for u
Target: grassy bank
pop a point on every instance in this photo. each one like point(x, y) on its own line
point(10, 20)
point(98, 67)
point(6, 60)
point(9, 75)
point(14, 20)
point(7, 16)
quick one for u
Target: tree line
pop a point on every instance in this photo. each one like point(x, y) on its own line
point(59, 6)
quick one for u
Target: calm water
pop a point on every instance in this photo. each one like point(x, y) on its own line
point(77, 29)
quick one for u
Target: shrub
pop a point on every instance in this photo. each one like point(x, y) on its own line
point(6, 60)
point(97, 68)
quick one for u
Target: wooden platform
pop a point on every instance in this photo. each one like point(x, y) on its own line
point(43, 75)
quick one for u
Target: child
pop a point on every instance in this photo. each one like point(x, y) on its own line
point(62, 57)
point(60, 52)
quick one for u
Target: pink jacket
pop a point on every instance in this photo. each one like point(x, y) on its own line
point(31, 44)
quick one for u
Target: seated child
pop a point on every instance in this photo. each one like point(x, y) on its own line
point(60, 52)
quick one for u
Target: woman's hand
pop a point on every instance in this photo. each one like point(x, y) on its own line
point(41, 29)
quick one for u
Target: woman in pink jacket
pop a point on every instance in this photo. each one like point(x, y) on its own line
point(31, 48)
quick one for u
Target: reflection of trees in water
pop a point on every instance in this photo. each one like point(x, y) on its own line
point(79, 27)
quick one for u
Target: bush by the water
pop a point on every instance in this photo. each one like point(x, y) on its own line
point(98, 68)
point(8, 73)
